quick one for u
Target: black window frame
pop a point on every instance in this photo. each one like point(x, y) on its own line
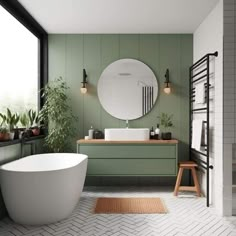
point(24, 17)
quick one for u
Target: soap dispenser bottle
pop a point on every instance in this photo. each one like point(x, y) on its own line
point(90, 133)
point(157, 132)
point(152, 133)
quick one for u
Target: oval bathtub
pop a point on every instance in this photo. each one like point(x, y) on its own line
point(43, 189)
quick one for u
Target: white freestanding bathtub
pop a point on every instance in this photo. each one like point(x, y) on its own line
point(43, 189)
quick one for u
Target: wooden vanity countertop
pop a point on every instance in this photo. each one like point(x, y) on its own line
point(151, 141)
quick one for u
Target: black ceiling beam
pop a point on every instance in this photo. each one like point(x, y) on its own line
point(23, 16)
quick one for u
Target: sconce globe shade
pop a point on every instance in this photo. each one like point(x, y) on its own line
point(83, 90)
point(167, 90)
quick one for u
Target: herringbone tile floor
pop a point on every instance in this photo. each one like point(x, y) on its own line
point(187, 216)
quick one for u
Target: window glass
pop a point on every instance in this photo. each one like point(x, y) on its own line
point(19, 56)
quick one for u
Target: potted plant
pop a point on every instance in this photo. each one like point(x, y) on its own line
point(36, 128)
point(12, 120)
point(166, 123)
point(4, 135)
point(15, 127)
point(34, 122)
point(24, 120)
point(57, 116)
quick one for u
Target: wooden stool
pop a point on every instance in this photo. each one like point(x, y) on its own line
point(187, 165)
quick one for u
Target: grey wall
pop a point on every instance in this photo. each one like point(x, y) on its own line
point(229, 102)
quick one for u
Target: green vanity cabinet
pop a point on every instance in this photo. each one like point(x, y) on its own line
point(130, 158)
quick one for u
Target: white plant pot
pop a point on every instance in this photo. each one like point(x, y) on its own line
point(21, 134)
point(12, 134)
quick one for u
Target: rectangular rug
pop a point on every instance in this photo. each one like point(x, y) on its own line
point(130, 206)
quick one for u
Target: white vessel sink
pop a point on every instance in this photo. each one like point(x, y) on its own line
point(122, 134)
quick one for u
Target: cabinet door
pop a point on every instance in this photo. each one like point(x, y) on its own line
point(137, 167)
point(129, 151)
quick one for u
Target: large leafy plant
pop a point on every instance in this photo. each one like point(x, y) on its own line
point(57, 115)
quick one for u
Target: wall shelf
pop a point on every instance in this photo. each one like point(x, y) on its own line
point(20, 141)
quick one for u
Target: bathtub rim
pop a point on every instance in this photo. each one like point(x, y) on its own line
point(3, 167)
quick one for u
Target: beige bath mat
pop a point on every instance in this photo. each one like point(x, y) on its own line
point(130, 206)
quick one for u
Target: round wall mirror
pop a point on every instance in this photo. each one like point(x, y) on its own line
point(127, 89)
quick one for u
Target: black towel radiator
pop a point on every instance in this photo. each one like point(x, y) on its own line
point(202, 67)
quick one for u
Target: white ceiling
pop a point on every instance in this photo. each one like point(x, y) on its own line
point(119, 16)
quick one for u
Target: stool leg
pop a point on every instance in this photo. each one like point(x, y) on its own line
point(178, 181)
point(195, 180)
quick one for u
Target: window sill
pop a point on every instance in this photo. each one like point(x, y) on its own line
point(20, 141)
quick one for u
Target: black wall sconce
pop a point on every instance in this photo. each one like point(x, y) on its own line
point(83, 89)
point(167, 89)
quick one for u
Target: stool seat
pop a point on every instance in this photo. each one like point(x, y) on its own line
point(187, 164)
point(192, 166)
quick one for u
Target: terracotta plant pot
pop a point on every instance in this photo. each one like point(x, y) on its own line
point(6, 136)
point(2, 136)
point(36, 131)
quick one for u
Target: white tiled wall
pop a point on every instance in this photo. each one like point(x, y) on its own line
point(217, 33)
point(208, 38)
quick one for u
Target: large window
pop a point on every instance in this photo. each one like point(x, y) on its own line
point(19, 65)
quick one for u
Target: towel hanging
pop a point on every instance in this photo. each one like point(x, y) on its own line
point(200, 93)
point(197, 134)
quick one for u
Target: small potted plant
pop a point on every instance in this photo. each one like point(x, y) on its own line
point(166, 123)
point(4, 134)
point(15, 127)
point(34, 122)
point(12, 120)
point(24, 120)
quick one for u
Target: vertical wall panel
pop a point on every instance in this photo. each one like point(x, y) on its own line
point(129, 46)
point(149, 54)
point(185, 63)
point(109, 53)
point(170, 58)
point(57, 59)
point(74, 77)
point(92, 64)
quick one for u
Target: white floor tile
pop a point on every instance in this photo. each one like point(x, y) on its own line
point(187, 215)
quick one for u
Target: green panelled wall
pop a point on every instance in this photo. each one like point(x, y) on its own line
point(69, 54)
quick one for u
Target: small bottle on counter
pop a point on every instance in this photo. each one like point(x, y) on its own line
point(157, 132)
point(90, 133)
point(152, 133)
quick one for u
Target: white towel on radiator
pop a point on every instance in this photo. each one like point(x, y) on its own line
point(200, 93)
point(197, 134)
